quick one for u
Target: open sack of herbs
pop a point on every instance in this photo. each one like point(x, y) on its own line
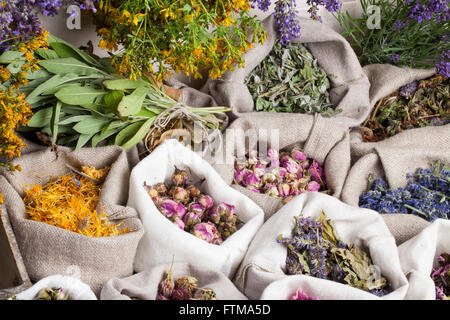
point(79, 99)
point(324, 248)
point(300, 160)
point(188, 211)
point(316, 73)
point(63, 199)
point(425, 260)
point(173, 281)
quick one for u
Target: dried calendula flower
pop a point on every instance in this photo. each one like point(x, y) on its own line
point(69, 202)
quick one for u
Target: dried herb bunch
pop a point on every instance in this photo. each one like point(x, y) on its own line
point(316, 250)
point(417, 104)
point(192, 211)
point(441, 277)
point(69, 202)
point(290, 79)
point(427, 194)
point(184, 288)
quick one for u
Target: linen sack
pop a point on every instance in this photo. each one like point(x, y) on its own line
point(144, 285)
point(48, 250)
point(319, 138)
point(349, 84)
point(75, 288)
point(163, 239)
point(265, 261)
point(418, 257)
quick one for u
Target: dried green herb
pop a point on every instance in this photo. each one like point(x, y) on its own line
point(418, 104)
point(316, 250)
point(290, 79)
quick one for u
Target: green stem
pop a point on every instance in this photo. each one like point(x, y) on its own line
point(417, 210)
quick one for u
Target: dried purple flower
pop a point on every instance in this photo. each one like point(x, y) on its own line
point(206, 201)
point(190, 219)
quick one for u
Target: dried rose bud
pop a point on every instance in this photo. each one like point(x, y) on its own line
point(250, 179)
point(161, 297)
point(152, 192)
point(190, 283)
point(287, 199)
point(179, 222)
point(298, 155)
point(272, 191)
point(206, 201)
point(218, 240)
point(193, 191)
point(289, 164)
point(313, 186)
point(206, 231)
point(299, 174)
point(316, 172)
point(272, 154)
point(238, 176)
point(213, 215)
point(280, 171)
point(259, 172)
point(191, 219)
point(179, 177)
point(161, 188)
point(167, 285)
point(181, 294)
point(225, 209)
point(305, 164)
point(284, 189)
point(302, 183)
point(269, 178)
point(179, 194)
point(197, 208)
point(261, 164)
point(290, 177)
point(168, 207)
point(204, 294)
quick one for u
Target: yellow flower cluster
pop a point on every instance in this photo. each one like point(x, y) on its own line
point(177, 36)
point(69, 202)
point(14, 110)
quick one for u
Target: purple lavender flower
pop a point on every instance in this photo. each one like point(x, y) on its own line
point(286, 20)
point(443, 64)
point(395, 57)
point(262, 5)
point(399, 25)
point(409, 90)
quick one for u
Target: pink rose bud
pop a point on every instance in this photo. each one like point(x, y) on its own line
point(161, 188)
point(238, 176)
point(284, 189)
point(275, 163)
point(181, 211)
point(289, 164)
point(299, 174)
point(225, 209)
point(152, 192)
point(191, 219)
point(250, 179)
point(269, 178)
point(313, 186)
point(179, 177)
point(193, 191)
point(273, 192)
point(260, 165)
point(298, 155)
point(316, 172)
point(168, 207)
point(272, 154)
point(206, 231)
point(305, 165)
point(214, 215)
point(206, 201)
point(259, 172)
point(290, 177)
point(279, 171)
point(179, 194)
point(179, 223)
point(197, 208)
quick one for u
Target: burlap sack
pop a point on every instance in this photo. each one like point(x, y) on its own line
point(144, 285)
point(350, 86)
point(418, 257)
point(265, 261)
point(163, 239)
point(320, 139)
point(75, 288)
point(47, 249)
point(392, 159)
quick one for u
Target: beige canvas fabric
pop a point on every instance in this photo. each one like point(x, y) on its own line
point(319, 138)
point(265, 261)
point(350, 86)
point(144, 285)
point(418, 257)
point(48, 250)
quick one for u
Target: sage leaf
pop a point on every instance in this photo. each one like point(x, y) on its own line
point(79, 95)
point(112, 100)
point(127, 132)
point(132, 103)
point(90, 125)
point(64, 66)
point(124, 84)
point(10, 56)
point(47, 54)
point(139, 135)
point(55, 121)
point(41, 118)
point(82, 140)
point(113, 128)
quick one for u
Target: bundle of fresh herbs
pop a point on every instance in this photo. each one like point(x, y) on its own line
point(77, 98)
point(316, 250)
point(290, 79)
point(427, 195)
point(417, 104)
point(410, 33)
point(441, 277)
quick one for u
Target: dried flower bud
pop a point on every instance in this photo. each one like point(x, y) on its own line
point(280, 171)
point(179, 177)
point(272, 154)
point(213, 215)
point(179, 194)
point(193, 191)
point(204, 294)
point(250, 179)
point(313, 186)
point(316, 172)
point(190, 283)
point(290, 177)
point(298, 155)
point(289, 164)
point(179, 222)
point(181, 294)
point(168, 207)
point(269, 178)
point(206, 201)
point(238, 176)
point(167, 285)
point(161, 297)
point(272, 191)
point(191, 219)
point(197, 208)
point(261, 164)
point(274, 163)
point(259, 172)
point(152, 192)
point(161, 188)
point(225, 209)
point(206, 231)
point(284, 189)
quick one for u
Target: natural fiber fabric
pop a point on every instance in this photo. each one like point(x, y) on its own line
point(350, 86)
point(144, 285)
point(47, 249)
point(265, 261)
point(418, 257)
point(163, 239)
point(320, 139)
